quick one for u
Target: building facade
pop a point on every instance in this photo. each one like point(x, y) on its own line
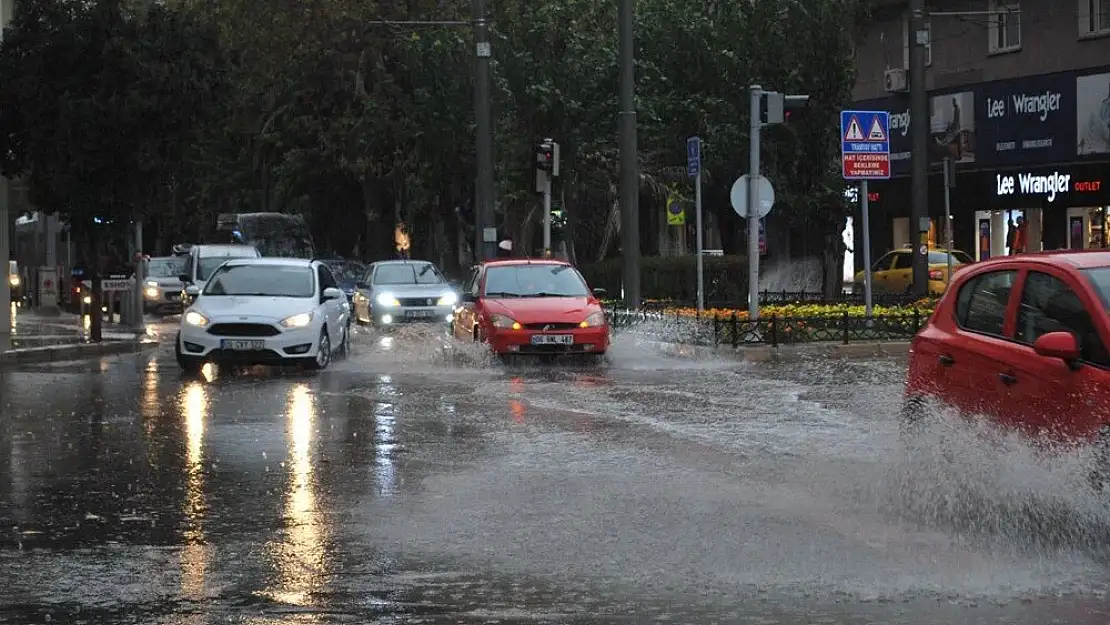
point(1019, 100)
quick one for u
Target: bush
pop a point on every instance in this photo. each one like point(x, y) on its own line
point(675, 278)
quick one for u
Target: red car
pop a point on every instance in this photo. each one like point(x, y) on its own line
point(531, 307)
point(1023, 341)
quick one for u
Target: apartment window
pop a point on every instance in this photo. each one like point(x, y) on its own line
point(1005, 27)
point(1094, 17)
point(906, 42)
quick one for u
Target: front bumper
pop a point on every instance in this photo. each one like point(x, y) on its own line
point(586, 341)
point(393, 315)
point(156, 299)
point(247, 348)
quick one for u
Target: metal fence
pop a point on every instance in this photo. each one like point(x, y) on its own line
point(737, 330)
point(778, 298)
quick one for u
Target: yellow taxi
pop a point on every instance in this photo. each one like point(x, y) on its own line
point(893, 273)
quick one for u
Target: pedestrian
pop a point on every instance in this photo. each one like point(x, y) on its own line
point(1021, 239)
point(1011, 234)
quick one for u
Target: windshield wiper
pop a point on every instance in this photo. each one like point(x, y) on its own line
point(502, 294)
point(554, 295)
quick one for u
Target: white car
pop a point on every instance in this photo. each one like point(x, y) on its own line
point(261, 311)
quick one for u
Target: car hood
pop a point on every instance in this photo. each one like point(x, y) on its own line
point(544, 309)
point(255, 308)
point(401, 291)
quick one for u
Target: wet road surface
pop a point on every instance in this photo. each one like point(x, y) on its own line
point(408, 485)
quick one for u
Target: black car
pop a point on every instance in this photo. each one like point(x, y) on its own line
point(347, 273)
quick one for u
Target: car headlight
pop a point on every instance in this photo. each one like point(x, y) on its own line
point(503, 322)
point(448, 299)
point(152, 292)
point(595, 320)
point(297, 321)
point(387, 299)
point(194, 318)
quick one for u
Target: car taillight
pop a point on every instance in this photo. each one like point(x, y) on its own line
point(936, 274)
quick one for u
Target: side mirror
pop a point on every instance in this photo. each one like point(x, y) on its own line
point(1060, 345)
point(467, 297)
point(184, 278)
point(600, 292)
point(192, 290)
point(331, 293)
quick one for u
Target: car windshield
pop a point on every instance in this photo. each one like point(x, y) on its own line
point(1100, 279)
point(542, 280)
point(208, 264)
point(408, 273)
point(165, 267)
point(941, 258)
point(348, 271)
point(262, 280)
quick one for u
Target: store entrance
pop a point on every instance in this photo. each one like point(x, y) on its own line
point(1086, 228)
point(1003, 233)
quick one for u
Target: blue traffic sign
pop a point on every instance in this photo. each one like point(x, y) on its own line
point(865, 144)
point(693, 156)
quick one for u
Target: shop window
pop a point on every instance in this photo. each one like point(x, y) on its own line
point(1004, 30)
point(1049, 305)
point(982, 302)
point(1094, 17)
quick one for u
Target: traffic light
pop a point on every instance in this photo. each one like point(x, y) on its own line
point(547, 157)
point(776, 108)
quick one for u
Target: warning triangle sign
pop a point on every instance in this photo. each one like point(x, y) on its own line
point(876, 133)
point(855, 133)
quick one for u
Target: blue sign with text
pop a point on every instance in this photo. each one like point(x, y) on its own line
point(693, 156)
point(865, 144)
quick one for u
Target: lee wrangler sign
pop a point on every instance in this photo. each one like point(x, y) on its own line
point(1048, 187)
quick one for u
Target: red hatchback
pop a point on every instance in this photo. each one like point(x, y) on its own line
point(531, 307)
point(1022, 340)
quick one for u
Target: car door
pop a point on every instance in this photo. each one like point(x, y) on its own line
point(900, 275)
point(880, 273)
point(333, 309)
point(1046, 395)
point(971, 355)
point(466, 314)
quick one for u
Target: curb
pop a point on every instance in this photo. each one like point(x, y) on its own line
point(79, 351)
point(787, 353)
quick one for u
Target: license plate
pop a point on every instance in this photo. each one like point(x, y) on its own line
point(243, 346)
point(553, 339)
point(419, 314)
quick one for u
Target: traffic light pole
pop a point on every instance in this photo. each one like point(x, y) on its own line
point(547, 216)
point(630, 175)
point(919, 163)
point(485, 247)
point(754, 127)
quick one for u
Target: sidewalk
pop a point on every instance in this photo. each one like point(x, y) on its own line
point(45, 338)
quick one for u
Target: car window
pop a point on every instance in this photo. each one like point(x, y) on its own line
point(208, 264)
point(327, 280)
point(982, 301)
point(262, 281)
point(884, 263)
point(1050, 305)
point(540, 280)
point(408, 273)
point(902, 260)
point(165, 267)
point(941, 258)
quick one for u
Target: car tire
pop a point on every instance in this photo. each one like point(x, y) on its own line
point(345, 343)
point(189, 364)
point(323, 353)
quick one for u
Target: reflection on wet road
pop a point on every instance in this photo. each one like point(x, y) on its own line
point(428, 485)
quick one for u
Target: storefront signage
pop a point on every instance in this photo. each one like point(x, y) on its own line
point(1048, 186)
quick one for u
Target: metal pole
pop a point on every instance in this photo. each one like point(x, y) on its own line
point(753, 203)
point(864, 214)
point(484, 249)
point(630, 176)
point(698, 229)
point(547, 217)
point(948, 219)
point(5, 256)
point(140, 280)
point(919, 161)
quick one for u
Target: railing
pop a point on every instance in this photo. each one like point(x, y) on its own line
point(773, 298)
point(736, 330)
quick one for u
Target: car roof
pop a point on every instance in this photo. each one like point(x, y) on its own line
point(223, 249)
point(1077, 259)
point(516, 262)
point(404, 262)
point(277, 262)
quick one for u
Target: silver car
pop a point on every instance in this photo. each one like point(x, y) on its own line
point(403, 291)
point(162, 291)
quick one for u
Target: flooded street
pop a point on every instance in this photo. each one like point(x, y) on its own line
point(410, 485)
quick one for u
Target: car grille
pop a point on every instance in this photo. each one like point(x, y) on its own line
point(418, 301)
point(243, 329)
point(550, 326)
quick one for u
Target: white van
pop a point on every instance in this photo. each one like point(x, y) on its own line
point(203, 260)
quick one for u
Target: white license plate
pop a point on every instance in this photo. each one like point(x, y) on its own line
point(553, 339)
point(419, 314)
point(243, 346)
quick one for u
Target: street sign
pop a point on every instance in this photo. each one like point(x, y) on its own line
point(693, 156)
point(865, 144)
point(111, 285)
point(739, 196)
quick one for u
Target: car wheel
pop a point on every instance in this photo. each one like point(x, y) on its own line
point(188, 364)
point(323, 353)
point(345, 344)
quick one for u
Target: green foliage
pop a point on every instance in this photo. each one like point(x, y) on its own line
point(99, 100)
point(675, 278)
